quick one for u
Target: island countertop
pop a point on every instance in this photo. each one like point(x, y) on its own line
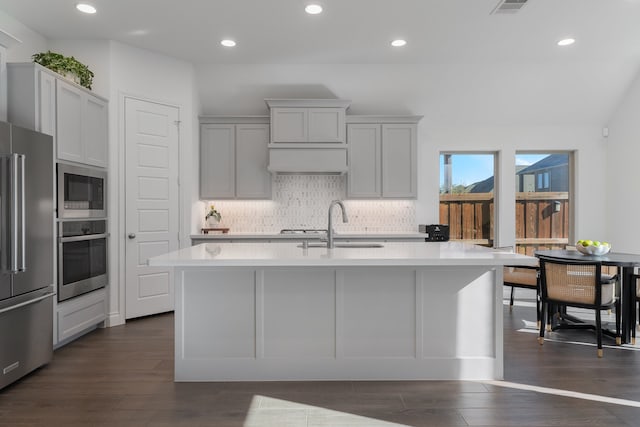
point(291, 254)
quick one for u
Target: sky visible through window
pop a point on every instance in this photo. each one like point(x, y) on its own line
point(471, 168)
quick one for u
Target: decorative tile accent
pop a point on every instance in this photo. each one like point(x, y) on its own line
point(302, 201)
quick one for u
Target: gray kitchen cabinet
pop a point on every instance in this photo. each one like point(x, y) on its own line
point(364, 147)
point(382, 157)
point(95, 131)
point(307, 120)
point(32, 97)
point(79, 315)
point(308, 125)
point(217, 161)
point(42, 100)
point(81, 125)
point(399, 161)
point(7, 41)
point(3, 79)
point(233, 161)
point(289, 124)
point(253, 180)
point(69, 122)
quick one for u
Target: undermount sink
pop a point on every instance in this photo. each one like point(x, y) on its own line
point(344, 245)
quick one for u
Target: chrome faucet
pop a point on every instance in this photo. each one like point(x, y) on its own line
point(330, 224)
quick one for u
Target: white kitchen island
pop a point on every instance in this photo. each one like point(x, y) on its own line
point(276, 311)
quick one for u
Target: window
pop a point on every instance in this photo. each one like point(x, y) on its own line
point(467, 196)
point(543, 181)
point(542, 201)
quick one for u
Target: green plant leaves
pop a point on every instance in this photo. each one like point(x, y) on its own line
point(65, 64)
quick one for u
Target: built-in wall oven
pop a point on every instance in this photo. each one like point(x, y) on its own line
point(82, 192)
point(82, 257)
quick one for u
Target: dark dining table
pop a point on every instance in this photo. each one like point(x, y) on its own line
point(626, 263)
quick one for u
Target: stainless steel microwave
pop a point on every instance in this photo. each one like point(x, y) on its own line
point(82, 192)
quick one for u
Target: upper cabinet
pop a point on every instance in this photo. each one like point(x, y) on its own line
point(364, 179)
point(77, 118)
point(82, 125)
point(382, 157)
point(6, 41)
point(307, 120)
point(233, 158)
point(3, 80)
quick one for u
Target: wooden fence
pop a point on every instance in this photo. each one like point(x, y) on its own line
point(542, 219)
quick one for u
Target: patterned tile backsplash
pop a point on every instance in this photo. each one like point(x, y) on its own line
point(302, 201)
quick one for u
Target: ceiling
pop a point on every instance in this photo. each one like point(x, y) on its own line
point(349, 31)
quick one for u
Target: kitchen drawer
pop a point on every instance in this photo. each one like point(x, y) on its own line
point(26, 341)
point(81, 314)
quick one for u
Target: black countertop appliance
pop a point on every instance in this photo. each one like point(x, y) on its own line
point(435, 232)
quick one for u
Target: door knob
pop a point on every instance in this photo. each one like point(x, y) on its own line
point(132, 235)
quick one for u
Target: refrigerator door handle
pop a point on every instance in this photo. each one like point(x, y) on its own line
point(22, 265)
point(5, 261)
point(32, 301)
point(16, 184)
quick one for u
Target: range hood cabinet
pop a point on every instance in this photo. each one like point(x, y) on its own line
point(308, 136)
point(308, 160)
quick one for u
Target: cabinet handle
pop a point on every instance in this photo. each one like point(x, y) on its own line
point(132, 235)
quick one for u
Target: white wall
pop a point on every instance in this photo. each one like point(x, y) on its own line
point(501, 108)
point(31, 42)
point(95, 54)
point(121, 70)
point(146, 75)
point(623, 193)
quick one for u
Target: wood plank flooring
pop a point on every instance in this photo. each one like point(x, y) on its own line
point(123, 376)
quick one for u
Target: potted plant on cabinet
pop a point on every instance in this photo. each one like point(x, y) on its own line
point(67, 66)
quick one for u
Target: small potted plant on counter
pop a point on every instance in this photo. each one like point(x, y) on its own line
point(213, 217)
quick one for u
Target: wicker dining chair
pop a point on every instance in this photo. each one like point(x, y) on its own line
point(524, 277)
point(577, 284)
point(521, 276)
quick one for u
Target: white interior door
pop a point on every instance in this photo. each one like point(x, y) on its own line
point(152, 224)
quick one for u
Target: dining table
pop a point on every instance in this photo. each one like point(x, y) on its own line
point(626, 263)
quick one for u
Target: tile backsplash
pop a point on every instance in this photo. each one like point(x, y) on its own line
point(302, 201)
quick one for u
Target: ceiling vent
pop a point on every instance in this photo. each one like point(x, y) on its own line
point(508, 6)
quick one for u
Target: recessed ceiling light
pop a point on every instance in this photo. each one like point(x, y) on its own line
point(228, 43)
point(566, 42)
point(313, 9)
point(398, 43)
point(85, 8)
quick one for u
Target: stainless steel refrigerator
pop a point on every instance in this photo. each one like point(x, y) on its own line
point(26, 251)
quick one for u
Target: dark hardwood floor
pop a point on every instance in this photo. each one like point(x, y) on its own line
point(123, 376)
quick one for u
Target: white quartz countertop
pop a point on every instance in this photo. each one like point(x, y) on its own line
point(309, 236)
point(281, 254)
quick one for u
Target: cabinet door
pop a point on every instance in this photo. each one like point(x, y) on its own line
point(95, 131)
point(69, 122)
point(3, 83)
point(47, 103)
point(326, 125)
point(399, 161)
point(289, 124)
point(217, 162)
point(253, 180)
point(364, 179)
